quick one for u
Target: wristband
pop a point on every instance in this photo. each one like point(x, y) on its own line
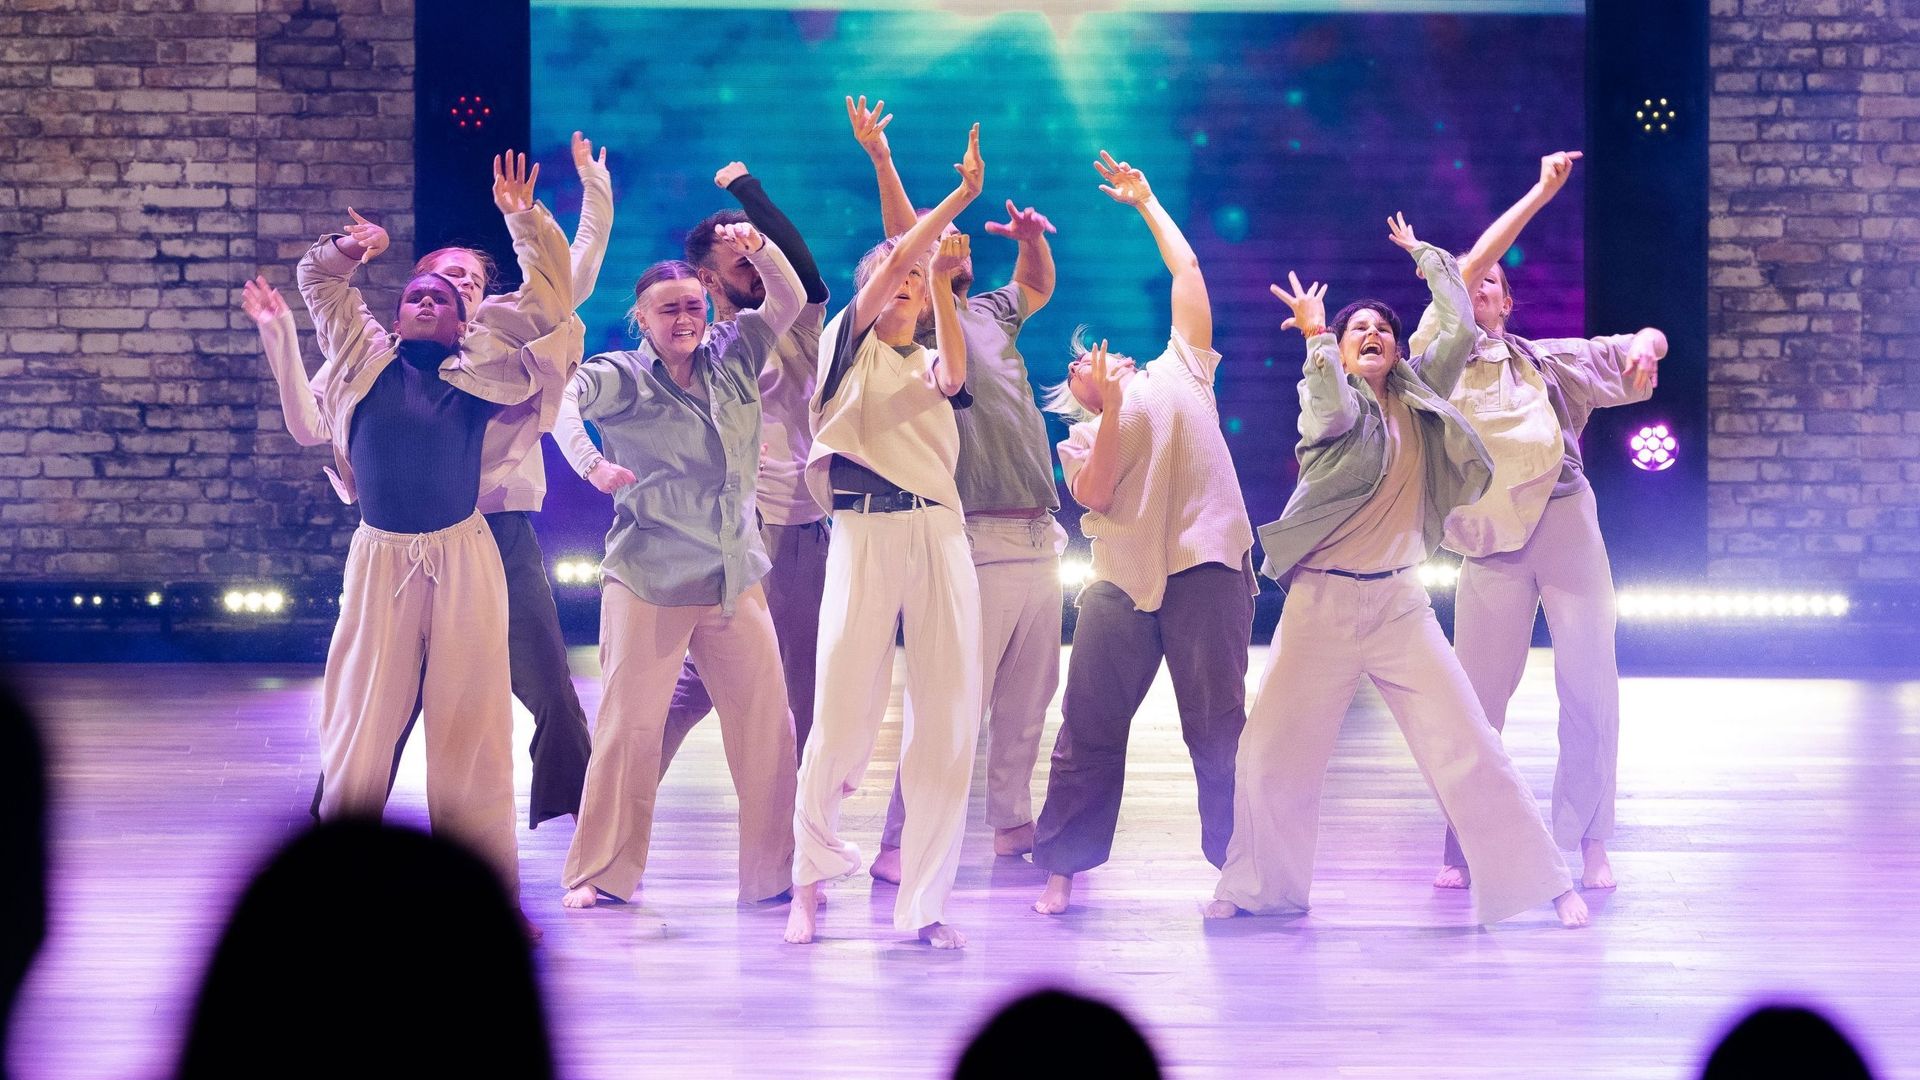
point(593, 463)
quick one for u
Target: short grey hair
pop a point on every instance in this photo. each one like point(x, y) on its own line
point(1058, 397)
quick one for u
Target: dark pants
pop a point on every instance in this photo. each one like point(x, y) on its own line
point(537, 661)
point(793, 585)
point(1202, 629)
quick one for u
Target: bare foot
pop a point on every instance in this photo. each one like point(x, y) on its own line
point(1597, 872)
point(886, 865)
point(942, 936)
point(1015, 841)
point(1220, 909)
point(534, 933)
point(1571, 909)
point(581, 896)
point(1053, 899)
point(1451, 877)
point(801, 914)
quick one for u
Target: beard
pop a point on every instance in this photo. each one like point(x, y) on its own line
point(741, 299)
point(962, 281)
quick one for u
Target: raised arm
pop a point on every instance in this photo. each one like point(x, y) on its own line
point(1554, 170)
point(735, 180)
point(918, 240)
point(1093, 484)
point(341, 321)
point(761, 327)
point(1033, 268)
point(298, 404)
point(1449, 317)
point(1192, 312)
point(870, 131)
point(544, 300)
point(1595, 373)
point(1328, 406)
point(950, 341)
point(589, 246)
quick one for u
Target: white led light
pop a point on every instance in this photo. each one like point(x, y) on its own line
point(563, 572)
point(1647, 604)
point(154, 599)
point(1439, 575)
point(1075, 572)
point(255, 601)
point(275, 600)
point(235, 600)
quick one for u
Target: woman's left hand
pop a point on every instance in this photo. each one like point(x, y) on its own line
point(1401, 233)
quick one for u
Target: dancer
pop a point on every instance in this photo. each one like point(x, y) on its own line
point(1005, 481)
point(1534, 539)
point(513, 485)
point(884, 451)
point(1172, 568)
point(1383, 460)
point(793, 527)
point(408, 412)
point(680, 421)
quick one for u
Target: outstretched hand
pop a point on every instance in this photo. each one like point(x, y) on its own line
point(371, 239)
point(1401, 233)
point(972, 167)
point(951, 255)
point(1124, 183)
point(1643, 365)
point(733, 170)
point(870, 127)
point(1555, 168)
point(739, 237)
point(1024, 226)
point(1309, 306)
point(583, 152)
point(262, 301)
point(513, 183)
point(1106, 379)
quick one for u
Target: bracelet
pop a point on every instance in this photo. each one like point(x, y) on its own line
point(592, 463)
point(1304, 332)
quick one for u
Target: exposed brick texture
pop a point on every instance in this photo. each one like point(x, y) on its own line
point(1814, 385)
point(153, 154)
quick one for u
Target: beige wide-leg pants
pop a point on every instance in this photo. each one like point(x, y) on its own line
point(1563, 567)
point(882, 568)
point(424, 616)
point(641, 648)
point(1335, 631)
point(1017, 562)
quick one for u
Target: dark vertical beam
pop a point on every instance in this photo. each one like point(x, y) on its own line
point(1646, 265)
point(476, 49)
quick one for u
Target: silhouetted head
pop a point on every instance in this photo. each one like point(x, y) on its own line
point(360, 944)
point(1056, 1033)
point(1785, 1040)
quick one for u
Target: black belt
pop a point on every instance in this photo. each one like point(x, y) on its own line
point(1363, 577)
point(892, 502)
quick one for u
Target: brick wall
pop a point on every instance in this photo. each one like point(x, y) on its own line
point(1814, 384)
point(153, 154)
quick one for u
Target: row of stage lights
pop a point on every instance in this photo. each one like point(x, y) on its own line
point(1640, 605)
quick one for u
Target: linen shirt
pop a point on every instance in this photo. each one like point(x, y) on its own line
point(1003, 438)
point(492, 362)
point(1177, 502)
point(684, 535)
point(884, 411)
point(1385, 533)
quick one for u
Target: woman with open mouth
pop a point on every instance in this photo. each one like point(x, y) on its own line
point(1383, 459)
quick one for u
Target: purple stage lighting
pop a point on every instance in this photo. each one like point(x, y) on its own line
point(1653, 448)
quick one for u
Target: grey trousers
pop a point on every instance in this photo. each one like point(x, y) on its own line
point(1563, 567)
point(793, 586)
point(1202, 630)
point(1017, 561)
point(537, 666)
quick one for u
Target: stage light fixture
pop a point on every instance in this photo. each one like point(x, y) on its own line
point(1649, 605)
point(154, 599)
point(470, 112)
point(577, 571)
point(1653, 448)
point(1075, 572)
point(1439, 574)
point(1655, 114)
point(254, 601)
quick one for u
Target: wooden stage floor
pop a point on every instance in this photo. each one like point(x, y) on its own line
point(1767, 848)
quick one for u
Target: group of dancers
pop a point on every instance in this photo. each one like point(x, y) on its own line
point(793, 483)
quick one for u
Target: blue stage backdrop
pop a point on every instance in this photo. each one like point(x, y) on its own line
point(1279, 141)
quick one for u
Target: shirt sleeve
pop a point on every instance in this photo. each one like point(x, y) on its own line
point(776, 227)
point(838, 350)
point(588, 394)
point(1074, 449)
point(589, 248)
point(1202, 362)
point(299, 405)
point(1006, 305)
point(1592, 373)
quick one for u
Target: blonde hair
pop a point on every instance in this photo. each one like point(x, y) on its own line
point(1057, 398)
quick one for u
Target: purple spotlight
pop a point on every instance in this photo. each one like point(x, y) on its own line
point(1653, 448)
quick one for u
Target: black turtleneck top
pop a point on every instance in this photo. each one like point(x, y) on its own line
point(415, 445)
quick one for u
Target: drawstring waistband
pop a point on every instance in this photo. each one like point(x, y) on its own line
point(423, 552)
